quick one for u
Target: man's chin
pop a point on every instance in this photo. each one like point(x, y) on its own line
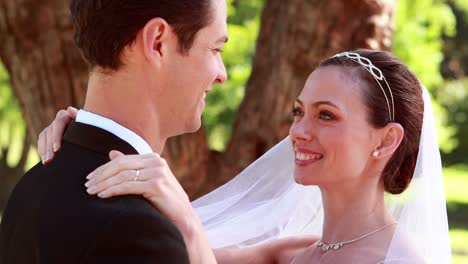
point(194, 126)
point(188, 129)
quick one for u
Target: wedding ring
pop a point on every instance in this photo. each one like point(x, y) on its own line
point(137, 174)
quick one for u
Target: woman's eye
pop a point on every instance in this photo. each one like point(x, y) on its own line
point(296, 111)
point(218, 50)
point(326, 116)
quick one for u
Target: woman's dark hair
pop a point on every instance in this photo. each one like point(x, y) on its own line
point(104, 27)
point(408, 107)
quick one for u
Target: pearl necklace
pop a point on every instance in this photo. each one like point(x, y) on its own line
point(338, 245)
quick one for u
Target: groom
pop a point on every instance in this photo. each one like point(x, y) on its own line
point(152, 63)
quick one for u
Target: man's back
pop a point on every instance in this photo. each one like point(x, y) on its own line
point(51, 219)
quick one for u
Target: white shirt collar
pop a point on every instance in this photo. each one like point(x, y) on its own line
point(138, 143)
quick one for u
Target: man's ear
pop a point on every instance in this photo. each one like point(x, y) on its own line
point(391, 137)
point(154, 35)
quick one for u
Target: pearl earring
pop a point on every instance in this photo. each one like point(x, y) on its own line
point(375, 153)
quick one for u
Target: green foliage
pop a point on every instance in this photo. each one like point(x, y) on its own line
point(446, 131)
point(462, 5)
point(240, 11)
point(223, 100)
point(453, 96)
point(420, 26)
point(9, 110)
point(12, 126)
point(456, 258)
point(455, 182)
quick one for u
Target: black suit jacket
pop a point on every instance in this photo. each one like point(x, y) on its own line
point(51, 219)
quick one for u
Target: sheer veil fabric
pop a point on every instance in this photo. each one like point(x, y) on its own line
point(264, 203)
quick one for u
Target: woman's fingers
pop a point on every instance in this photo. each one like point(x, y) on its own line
point(41, 143)
point(150, 169)
point(172, 206)
point(125, 188)
point(61, 121)
point(113, 154)
point(49, 153)
point(72, 112)
point(148, 176)
point(117, 165)
point(157, 185)
point(51, 137)
point(117, 179)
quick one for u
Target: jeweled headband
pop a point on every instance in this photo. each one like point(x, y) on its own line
point(376, 73)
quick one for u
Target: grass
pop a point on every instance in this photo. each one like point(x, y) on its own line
point(455, 182)
point(459, 259)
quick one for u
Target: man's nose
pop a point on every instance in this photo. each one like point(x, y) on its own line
point(222, 75)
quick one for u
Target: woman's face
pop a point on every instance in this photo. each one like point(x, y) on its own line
point(332, 139)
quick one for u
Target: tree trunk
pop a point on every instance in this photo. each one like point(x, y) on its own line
point(46, 70)
point(48, 74)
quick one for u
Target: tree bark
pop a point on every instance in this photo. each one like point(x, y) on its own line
point(46, 70)
point(48, 73)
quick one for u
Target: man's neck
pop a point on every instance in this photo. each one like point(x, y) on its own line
point(111, 96)
point(138, 143)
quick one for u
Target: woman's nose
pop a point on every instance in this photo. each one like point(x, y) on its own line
point(301, 131)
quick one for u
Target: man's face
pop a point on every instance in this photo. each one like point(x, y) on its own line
point(191, 76)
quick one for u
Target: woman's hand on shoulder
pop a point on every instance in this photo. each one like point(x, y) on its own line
point(50, 139)
point(150, 176)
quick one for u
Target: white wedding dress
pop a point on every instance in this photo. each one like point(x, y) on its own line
point(264, 203)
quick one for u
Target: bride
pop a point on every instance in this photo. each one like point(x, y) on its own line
point(358, 180)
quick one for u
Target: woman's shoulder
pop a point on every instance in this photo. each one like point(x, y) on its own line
point(404, 250)
point(278, 251)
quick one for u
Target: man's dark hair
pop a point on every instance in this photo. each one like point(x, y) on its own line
point(104, 27)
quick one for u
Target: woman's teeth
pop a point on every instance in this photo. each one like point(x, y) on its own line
point(303, 156)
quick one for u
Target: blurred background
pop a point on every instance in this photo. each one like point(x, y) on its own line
point(273, 47)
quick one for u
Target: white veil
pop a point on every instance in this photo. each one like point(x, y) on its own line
point(421, 210)
point(264, 203)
